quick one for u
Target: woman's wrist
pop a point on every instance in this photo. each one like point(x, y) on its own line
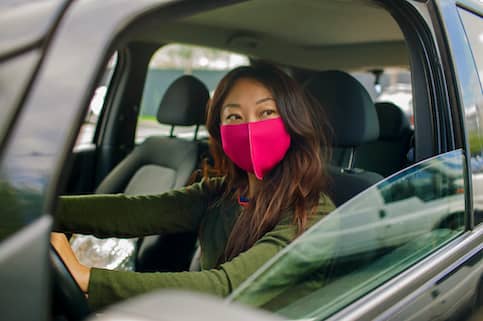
point(83, 276)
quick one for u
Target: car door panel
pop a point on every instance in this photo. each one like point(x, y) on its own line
point(24, 273)
point(450, 296)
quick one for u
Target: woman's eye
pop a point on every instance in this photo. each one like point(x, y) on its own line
point(233, 117)
point(269, 112)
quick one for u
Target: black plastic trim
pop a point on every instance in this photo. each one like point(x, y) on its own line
point(426, 71)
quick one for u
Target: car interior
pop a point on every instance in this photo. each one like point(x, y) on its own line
point(335, 40)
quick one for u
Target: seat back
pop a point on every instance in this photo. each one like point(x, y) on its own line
point(352, 115)
point(387, 155)
point(163, 163)
point(160, 164)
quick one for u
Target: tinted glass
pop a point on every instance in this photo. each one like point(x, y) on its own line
point(473, 25)
point(367, 241)
point(15, 74)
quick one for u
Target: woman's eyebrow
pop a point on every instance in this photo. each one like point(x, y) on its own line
point(231, 105)
point(263, 100)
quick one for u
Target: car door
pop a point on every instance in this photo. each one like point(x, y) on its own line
point(461, 22)
point(25, 226)
point(454, 292)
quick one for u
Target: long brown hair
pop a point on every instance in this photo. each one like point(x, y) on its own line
point(296, 183)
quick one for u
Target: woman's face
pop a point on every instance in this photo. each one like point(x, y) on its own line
point(248, 101)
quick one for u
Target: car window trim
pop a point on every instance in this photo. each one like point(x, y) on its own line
point(115, 82)
point(471, 6)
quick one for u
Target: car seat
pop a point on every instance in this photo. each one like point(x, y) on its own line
point(387, 155)
point(160, 164)
point(352, 116)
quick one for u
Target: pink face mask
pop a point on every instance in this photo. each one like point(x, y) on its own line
point(256, 147)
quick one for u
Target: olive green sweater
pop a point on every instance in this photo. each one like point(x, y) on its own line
point(198, 207)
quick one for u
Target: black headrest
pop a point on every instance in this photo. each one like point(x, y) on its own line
point(393, 123)
point(348, 105)
point(184, 102)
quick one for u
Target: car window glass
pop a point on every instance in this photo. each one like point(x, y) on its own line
point(364, 243)
point(391, 85)
point(87, 131)
point(15, 74)
point(169, 63)
point(473, 25)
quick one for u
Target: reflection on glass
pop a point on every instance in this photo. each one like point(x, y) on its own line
point(470, 63)
point(364, 243)
point(18, 207)
point(474, 31)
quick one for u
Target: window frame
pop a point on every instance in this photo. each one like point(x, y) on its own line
point(450, 35)
point(471, 97)
point(111, 85)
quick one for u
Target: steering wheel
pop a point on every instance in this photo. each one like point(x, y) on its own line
point(68, 298)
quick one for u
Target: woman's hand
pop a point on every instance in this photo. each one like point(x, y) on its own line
point(80, 272)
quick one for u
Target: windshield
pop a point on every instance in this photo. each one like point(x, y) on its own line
point(365, 242)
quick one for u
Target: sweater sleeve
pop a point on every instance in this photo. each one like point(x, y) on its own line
point(296, 271)
point(122, 215)
point(107, 287)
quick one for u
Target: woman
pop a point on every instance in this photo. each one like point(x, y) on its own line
point(266, 138)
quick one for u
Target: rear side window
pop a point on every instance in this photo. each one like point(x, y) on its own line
point(86, 134)
point(473, 25)
point(390, 85)
point(167, 64)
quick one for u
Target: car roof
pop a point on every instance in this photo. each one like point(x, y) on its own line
point(342, 34)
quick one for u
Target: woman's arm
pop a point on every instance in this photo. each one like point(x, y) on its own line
point(107, 287)
point(136, 215)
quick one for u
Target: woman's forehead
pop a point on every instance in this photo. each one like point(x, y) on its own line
point(247, 90)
